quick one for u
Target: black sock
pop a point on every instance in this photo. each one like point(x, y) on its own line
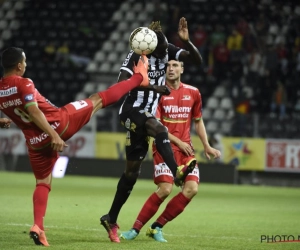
point(124, 188)
point(164, 148)
point(156, 224)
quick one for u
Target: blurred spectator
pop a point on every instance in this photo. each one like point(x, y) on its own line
point(298, 67)
point(249, 41)
point(234, 44)
point(234, 40)
point(283, 61)
point(242, 108)
point(176, 40)
point(217, 35)
point(199, 40)
point(236, 73)
point(221, 58)
point(254, 64)
point(279, 101)
point(271, 66)
point(49, 52)
point(63, 53)
point(261, 28)
point(200, 37)
point(242, 26)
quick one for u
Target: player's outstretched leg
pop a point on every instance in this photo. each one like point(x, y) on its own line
point(183, 171)
point(38, 236)
point(112, 229)
point(156, 234)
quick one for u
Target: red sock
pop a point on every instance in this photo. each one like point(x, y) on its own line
point(148, 210)
point(173, 209)
point(115, 92)
point(40, 199)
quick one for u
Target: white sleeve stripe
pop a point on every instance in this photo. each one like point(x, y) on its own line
point(128, 70)
point(177, 54)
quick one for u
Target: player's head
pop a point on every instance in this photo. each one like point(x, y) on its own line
point(174, 70)
point(13, 59)
point(162, 42)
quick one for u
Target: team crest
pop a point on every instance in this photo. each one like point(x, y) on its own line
point(127, 123)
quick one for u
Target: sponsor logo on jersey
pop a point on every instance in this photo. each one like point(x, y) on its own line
point(126, 61)
point(169, 98)
point(127, 123)
point(43, 136)
point(186, 97)
point(28, 97)
point(130, 125)
point(176, 109)
point(162, 169)
point(156, 73)
point(8, 92)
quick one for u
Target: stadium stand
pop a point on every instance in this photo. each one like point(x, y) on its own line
point(249, 48)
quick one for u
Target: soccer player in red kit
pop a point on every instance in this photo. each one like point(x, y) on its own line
point(47, 127)
point(176, 112)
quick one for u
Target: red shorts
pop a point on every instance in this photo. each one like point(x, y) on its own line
point(73, 117)
point(162, 173)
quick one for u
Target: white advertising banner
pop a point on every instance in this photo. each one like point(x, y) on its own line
point(283, 155)
point(82, 144)
point(12, 141)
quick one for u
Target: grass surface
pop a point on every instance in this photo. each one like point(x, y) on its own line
point(219, 217)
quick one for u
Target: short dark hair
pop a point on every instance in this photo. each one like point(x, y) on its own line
point(11, 57)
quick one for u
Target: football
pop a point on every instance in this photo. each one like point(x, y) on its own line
point(143, 41)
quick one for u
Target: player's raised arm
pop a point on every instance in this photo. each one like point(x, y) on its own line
point(192, 54)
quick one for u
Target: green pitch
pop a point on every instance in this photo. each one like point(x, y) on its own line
point(219, 217)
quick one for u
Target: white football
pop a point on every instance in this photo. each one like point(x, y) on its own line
point(143, 41)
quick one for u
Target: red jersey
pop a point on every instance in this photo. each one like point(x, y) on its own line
point(177, 110)
point(18, 93)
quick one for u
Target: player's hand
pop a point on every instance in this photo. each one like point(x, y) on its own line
point(58, 144)
point(186, 148)
point(164, 90)
point(212, 152)
point(183, 31)
point(5, 123)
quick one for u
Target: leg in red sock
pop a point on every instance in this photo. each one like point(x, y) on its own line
point(115, 92)
point(40, 199)
point(173, 209)
point(148, 210)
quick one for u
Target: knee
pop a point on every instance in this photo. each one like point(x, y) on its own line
point(164, 191)
point(132, 175)
point(190, 191)
point(132, 172)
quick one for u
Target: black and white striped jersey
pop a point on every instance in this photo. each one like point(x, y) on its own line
point(142, 97)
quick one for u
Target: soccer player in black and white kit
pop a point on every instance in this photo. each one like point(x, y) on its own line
point(137, 115)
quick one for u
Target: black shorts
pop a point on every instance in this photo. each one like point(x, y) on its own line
point(137, 140)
